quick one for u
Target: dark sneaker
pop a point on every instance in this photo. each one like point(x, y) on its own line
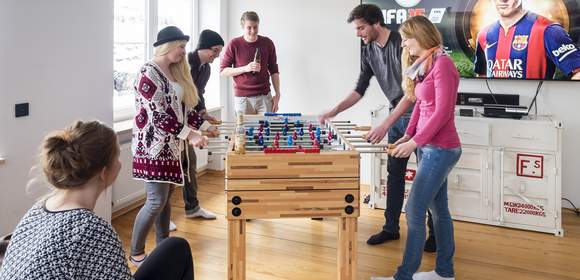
point(382, 237)
point(430, 245)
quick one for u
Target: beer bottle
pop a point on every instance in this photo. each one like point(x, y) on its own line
point(256, 59)
point(240, 135)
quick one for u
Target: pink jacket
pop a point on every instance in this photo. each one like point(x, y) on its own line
point(433, 118)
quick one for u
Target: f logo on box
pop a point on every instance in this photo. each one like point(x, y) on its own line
point(530, 166)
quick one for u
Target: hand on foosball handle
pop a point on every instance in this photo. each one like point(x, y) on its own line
point(376, 134)
point(211, 133)
point(404, 147)
point(390, 148)
point(401, 140)
point(326, 116)
point(213, 120)
point(196, 139)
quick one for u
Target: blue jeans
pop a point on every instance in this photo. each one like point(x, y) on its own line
point(156, 210)
point(396, 169)
point(430, 191)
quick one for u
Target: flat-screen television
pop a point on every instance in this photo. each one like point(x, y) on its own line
point(542, 45)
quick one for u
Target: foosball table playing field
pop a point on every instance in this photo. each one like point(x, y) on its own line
point(292, 166)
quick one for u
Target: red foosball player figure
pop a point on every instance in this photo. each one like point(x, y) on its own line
point(316, 144)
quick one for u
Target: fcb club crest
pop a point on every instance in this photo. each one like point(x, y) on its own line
point(520, 42)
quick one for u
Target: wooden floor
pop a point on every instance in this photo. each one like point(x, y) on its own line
point(303, 249)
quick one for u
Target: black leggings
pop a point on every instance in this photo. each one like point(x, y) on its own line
point(170, 260)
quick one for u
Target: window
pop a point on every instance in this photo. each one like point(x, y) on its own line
point(177, 13)
point(129, 52)
point(131, 25)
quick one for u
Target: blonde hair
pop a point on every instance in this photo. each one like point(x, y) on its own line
point(71, 157)
point(249, 16)
point(180, 72)
point(424, 31)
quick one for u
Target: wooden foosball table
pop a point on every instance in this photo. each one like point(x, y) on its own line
point(291, 166)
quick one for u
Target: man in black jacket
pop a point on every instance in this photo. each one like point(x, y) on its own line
point(381, 58)
point(209, 47)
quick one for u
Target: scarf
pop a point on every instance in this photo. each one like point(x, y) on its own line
point(423, 64)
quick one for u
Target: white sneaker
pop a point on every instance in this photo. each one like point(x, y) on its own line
point(431, 275)
point(202, 213)
point(172, 226)
point(382, 278)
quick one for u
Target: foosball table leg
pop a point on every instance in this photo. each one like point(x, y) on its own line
point(237, 249)
point(347, 248)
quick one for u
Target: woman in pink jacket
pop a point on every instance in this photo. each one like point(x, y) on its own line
point(431, 80)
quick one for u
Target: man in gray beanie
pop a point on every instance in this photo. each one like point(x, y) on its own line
point(209, 47)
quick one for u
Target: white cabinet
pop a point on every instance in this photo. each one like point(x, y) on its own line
point(527, 190)
point(469, 197)
point(508, 174)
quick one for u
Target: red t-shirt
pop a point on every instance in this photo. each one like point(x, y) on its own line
point(239, 53)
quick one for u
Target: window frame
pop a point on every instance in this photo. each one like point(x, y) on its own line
point(127, 111)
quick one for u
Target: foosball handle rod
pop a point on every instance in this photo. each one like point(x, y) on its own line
point(376, 151)
point(356, 128)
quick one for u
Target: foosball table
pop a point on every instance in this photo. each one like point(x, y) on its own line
point(292, 166)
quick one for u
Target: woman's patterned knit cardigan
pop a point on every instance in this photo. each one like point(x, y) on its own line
point(158, 122)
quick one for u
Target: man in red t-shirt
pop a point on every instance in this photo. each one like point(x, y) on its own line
point(251, 60)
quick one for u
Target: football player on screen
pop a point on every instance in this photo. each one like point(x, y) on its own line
point(524, 45)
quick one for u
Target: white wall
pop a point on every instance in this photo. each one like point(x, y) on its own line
point(58, 56)
point(319, 63)
point(126, 190)
point(317, 51)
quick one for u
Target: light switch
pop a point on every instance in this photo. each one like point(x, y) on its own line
point(21, 110)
